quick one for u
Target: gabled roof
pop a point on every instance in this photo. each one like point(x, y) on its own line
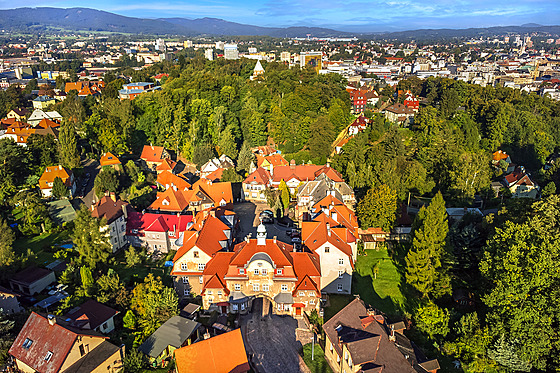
point(108, 159)
point(316, 233)
point(174, 332)
point(157, 223)
point(56, 338)
point(499, 155)
point(278, 252)
point(30, 275)
point(90, 315)
point(219, 354)
point(274, 160)
point(171, 200)
point(51, 173)
point(218, 192)
point(152, 153)
point(166, 165)
point(259, 176)
point(167, 179)
point(206, 236)
point(109, 209)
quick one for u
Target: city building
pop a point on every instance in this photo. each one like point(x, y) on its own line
point(209, 54)
point(132, 90)
point(42, 102)
point(311, 59)
point(231, 52)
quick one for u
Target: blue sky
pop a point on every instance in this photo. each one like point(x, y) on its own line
point(352, 15)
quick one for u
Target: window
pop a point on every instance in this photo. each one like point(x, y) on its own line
point(327, 249)
point(104, 326)
point(266, 287)
point(312, 301)
point(279, 271)
point(237, 287)
point(264, 271)
point(185, 279)
point(186, 291)
point(200, 279)
point(219, 293)
point(341, 261)
point(284, 287)
point(339, 287)
point(201, 266)
point(234, 307)
point(48, 355)
point(340, 273)
point(255, 287)
point(331, 346)
point(256, 271)
point(195, 254)
point(302, 294)
point(27, 343)
point(241, 271)
point(184, 266)
point(82, 350)
point(210, 299)
point(311, 293)
point(280, 306)
point(242, 306)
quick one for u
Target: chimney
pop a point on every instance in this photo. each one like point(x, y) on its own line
point(125, 211)
point(328, 229)
point(334, 216)
point(113, 196)
point(52, 319)
point(392, 337)
point(274, 239)
point(60, 167)
point(293, 164)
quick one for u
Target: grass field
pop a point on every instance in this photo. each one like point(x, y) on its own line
point(318, 364)
point(40, 245)
point(380, 288)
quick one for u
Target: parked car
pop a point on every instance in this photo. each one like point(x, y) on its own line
point(266, 218)
point(296, 240)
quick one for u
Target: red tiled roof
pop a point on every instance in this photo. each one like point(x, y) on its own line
point(108, 159)
point(171, 200)
point(167, 179)
point(259, 176)
point(216, 191)
point(152, 153)
point(166, 165)
point(207, 238)
point(215, 175)
point(315, 233)
point(108, 209)
point(51, 172)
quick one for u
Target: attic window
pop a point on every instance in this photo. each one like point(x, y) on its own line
point(27, 343)
point(165, 202)
point(48, 355)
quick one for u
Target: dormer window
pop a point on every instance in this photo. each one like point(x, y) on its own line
point(27, 343)
point(48, 355)
point(241, 271)
point(195, 254)
point(279, 271)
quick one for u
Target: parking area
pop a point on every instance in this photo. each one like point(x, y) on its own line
point(275, 341)
point(248, 214)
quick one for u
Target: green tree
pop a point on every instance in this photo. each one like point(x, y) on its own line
point(322, 135)
point(129, 320)
point(245, 158)
point(135, 361)
point(87, 280)
point(59, 189)
point(504, 352)
point(432, 320)
point(132, 257)
point(549, 189)
point(91, 238)
point(378, 208)
point(7, 238)
point(284, 195)
point(68, 146)
point(107, 180)
point(425, 269)
point(230, 175)
point(202, 154)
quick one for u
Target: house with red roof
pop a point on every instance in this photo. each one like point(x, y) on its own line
point(255, 185)
point(115, 212)
point(294, 174)
point(520, 184)
point(110, 160)
point(158, 232)
point(153, 156)
point(46, 181)
point(48, 344)
point(358, 125)
point(167, 179)
point(268, 162)
point(166, 165)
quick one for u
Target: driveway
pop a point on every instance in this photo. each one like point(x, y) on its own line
point(274, 341)
point(92, 167)
point(248, 213)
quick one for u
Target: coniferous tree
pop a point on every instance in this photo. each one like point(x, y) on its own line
point(245, 158)
point(425, 269)
point(284, 195)
point(91, 242)
point(7, 238)
point(67, 146)
point(504, 352)
point(59, 189)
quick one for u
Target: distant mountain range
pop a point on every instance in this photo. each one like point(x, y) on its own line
point(45, 19)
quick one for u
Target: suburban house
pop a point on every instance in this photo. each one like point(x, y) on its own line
point(18, 114)
point(210, 233)
point(92, 315)
point(32, 280)
point(285, 280)
point(311, 192)
point(359, 339)
point(38, 115)
point(255, 184)
point(46, 180)
point(85, 87)
point(42, 102)
point(173, 334)
point(499, 156)
point(157, 232)
point(358, 125)
point(167, 179)
point(400, 114)
point(166, 165)
point(359, 100)
point(116, 213)
point(153, 156)
point(268, 162)
point(8, 301)
point(520, 184)
point(294, 174)
point(215, 164)
point(219, 354)
point(49, 344)
point(20, 132)
point(110, 160)
point(132, 90)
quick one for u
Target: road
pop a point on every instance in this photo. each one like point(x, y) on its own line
point(248, 214)
point(92, 167)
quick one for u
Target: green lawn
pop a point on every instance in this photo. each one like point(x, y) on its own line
point(40, 245)
point(318, 364)
point(383, 292)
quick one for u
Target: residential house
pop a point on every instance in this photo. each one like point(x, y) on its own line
point(157, 232)
point(166, 165)
point(215, 164)
point(85, 87)
point(257, 71)
point(499, 156)
point(268, 162)
point(115, 212)
point(48, 344)
point(286, 280)
point(20, 132)
point(38, 115)
point(372, 98)
point(46, 180)
point(358, 125)
point(110, 160)
point(359, 100)
point(32, 280)
point(264, 150)
point(167, 179)
point(400, 114)
point(359, 339)
point(92, 315)
point(153, 156)
point(61, 211)
point(210, 233)
point(411, 102)
point(175, 333)
point(132, 90)
point(18, 114)
point(520, 184)
point(222, 353)
point(311, 192)
point(8, 301)
point(294, 174)
point(42, 102)
point(255, 185)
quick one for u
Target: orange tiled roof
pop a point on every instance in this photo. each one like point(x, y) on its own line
point(220, 354)
point(499, 155)
point(51, 173)
point(109, 159)
point(206, 236)
point(259, 176)
point(152, 153)
point(216, 191)
point(316, 233)
point(166, 165)
point(171, 200)
point(278, 251)
point(167, 179)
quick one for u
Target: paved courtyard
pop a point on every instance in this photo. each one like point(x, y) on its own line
point(275, 341)
point(248, 214)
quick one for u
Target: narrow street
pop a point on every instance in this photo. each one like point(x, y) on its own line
point(92, 168)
